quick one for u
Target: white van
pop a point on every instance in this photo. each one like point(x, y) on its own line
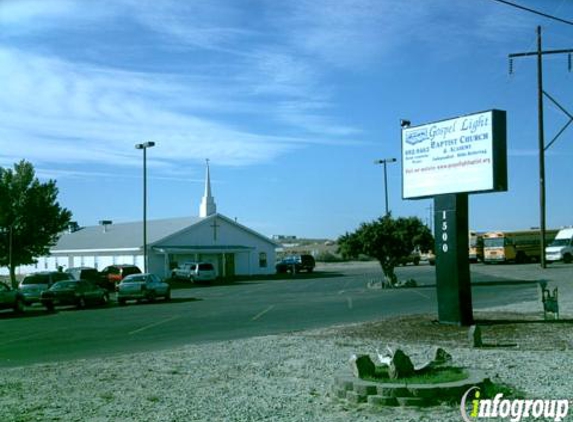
point(561, 249)
point(195, 271)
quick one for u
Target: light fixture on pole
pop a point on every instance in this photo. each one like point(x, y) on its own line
point(144, 147)
point(384, 162)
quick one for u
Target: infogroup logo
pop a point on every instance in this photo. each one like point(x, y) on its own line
point(514, 410)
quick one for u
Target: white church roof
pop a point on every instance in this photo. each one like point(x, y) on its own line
point(122, 235)
point(129, 236)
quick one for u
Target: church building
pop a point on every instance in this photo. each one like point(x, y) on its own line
point(232, 248)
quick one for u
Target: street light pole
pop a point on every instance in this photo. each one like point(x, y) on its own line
point(384, 162)
point(144, 147)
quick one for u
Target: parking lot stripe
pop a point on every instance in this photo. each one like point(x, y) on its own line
point(40, 334)
point(260, 314)
point(155, 324)
point(421, 294)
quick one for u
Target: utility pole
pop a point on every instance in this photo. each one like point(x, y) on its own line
point(541, 136)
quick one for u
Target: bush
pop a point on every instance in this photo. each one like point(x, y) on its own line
point(327, 257)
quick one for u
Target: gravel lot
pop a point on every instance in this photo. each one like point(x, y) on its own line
point(288, 377)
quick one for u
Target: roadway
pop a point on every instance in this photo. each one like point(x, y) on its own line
point(335, 295)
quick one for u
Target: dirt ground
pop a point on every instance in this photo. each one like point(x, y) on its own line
point(499, 330)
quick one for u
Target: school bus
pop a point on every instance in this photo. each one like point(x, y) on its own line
point(475, 246)
point(514, 246)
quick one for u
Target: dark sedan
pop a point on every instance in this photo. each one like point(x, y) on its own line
point(142, 287)
point(80, 293)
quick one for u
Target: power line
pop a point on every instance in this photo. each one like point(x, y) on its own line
point(535, 12)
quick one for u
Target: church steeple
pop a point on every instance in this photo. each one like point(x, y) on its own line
point(208, 206)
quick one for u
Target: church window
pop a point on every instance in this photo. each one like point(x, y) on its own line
point(263, 260)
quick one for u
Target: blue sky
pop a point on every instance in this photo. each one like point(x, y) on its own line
point(291, 101)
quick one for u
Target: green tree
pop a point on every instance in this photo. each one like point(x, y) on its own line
point(388, 240)
point(31, 219)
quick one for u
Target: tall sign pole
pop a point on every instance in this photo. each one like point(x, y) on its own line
point(448, 160)
point(452, 261)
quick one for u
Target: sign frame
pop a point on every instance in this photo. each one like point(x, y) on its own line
point(498, 149)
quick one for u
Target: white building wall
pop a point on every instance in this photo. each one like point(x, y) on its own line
point(98, 261)
point(228, 234)
point(50, 264)
point(156, 264)
point(215, 233)
point(124, 259)
point(139, 261)
point(89, 261)
point(243, 263)
point(103, 261)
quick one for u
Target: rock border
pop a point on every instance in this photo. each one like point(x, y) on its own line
point(357, 391)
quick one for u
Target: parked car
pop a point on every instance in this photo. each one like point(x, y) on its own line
point(195, 271)
point(11, 298)
point(414, 258)
point(142, 287)
point(297, 263)
point(431, 257)
point(74, 292)
point(87, 273)
point(183, 271)
point(34, 284)
point(113, 274)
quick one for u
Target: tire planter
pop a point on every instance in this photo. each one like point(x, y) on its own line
point(355, 390)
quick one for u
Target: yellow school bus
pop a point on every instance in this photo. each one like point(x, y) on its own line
point(514, 246)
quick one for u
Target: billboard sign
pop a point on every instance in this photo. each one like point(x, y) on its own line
point(461, 155)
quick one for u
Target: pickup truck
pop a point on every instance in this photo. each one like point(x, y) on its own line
point(414, 258)
point(297, 263)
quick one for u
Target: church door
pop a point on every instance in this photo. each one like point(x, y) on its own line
point(229, 265)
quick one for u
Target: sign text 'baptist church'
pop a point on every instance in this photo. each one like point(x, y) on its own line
point(460, 155)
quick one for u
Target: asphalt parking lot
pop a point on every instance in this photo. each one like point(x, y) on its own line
point(334, 294)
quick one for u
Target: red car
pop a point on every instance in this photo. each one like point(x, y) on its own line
point(113, 274)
